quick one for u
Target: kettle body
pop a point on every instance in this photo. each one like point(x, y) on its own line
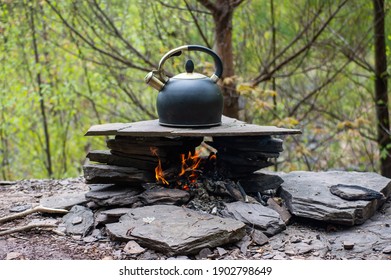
point(188, 99)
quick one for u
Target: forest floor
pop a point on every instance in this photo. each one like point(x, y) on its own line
point(301, 239)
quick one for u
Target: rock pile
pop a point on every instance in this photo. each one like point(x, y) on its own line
point(158, 219)
point(228, 201)
point(127, 193)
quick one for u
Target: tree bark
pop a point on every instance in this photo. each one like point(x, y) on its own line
point(381, 90)
point(223, 40)
point(222, 12)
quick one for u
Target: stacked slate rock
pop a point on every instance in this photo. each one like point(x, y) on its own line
point(241, 156)
point(132, 160)
point(121, 175)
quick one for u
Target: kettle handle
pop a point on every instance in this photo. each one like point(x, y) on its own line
point(178, 51)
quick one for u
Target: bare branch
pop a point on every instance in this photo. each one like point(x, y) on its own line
point(351, 53)
point(209, 5)
point(26, 228)
point(266, 74)
point(317, 89)
point(236, 3)
point(92, 44)
point(119, 35)
point(37, 209)
point(189, 8)
point(182, 9)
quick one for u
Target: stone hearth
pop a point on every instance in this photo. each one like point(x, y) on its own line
point(236, 204)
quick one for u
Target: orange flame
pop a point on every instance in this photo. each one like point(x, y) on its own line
point(190, 164)
point(189, 167)
point(159, 175)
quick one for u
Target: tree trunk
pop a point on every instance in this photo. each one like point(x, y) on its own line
point(222, 11)
point(223, 41)
point(381, 88)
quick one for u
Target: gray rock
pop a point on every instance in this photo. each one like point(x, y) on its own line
point(354, 192)
point(259, 237)
point(14, 256)
point(244, 243)
point(387, 250)
point(363, 241)
point(64, 201)
point(348, 245)
point(20, 208)
point(259, 182)
point(104, 173)
point(164, 196)
point(221, 251)
point(79, 220)
point(204, 253)
point(255, 215)
point(112, 195)
point(295, 239)
point(132, 247)
point(307, 194)
point(175, 230)
point(285, 215)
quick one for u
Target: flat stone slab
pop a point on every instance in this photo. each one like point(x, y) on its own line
point(229, 127)
point(64, 201)
point(112, 195)
point(308, 195)
point(176, 230)
point(255, 215)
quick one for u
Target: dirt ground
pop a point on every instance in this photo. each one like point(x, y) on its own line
point(301, 239)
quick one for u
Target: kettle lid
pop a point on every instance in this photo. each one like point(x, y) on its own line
point(189, 75)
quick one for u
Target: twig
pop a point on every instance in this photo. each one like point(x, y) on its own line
point(55, 231)
point(25, 228)
point(37, 209)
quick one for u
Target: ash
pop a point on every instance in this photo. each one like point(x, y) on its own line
point(209, 196)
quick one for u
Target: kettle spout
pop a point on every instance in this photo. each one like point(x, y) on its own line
point(154, 81)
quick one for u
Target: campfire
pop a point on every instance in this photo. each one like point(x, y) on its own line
point(152, 169)
point(211, 166)
point(184, 174)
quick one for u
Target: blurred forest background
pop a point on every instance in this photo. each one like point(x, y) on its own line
point(317, 65)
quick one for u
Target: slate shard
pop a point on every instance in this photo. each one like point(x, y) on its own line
point(79, 220)
point(355, 192)
point(255, 215)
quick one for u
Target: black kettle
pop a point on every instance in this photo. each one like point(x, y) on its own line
point(188, 99)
